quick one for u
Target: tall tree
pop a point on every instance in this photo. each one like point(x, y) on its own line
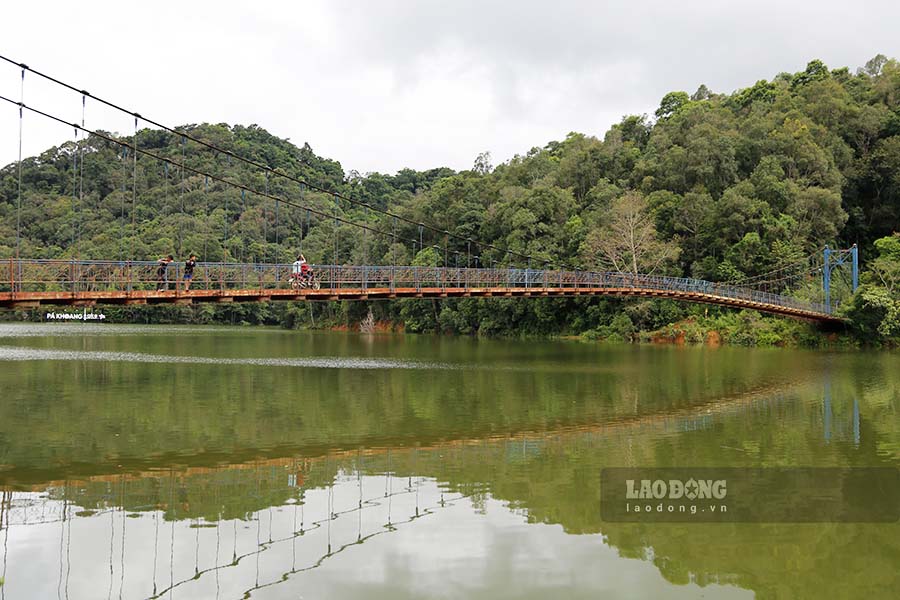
point(628, 241)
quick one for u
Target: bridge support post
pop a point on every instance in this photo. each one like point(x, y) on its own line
point(527, 273)
point(854, 253)
point(826, 281)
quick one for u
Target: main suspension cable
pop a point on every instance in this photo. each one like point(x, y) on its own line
point(265, 167)
point(126, 146)
point(803, 262)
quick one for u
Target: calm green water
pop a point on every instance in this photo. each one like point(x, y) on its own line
point(195, 463)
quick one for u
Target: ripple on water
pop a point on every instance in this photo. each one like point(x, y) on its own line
point(14, 353)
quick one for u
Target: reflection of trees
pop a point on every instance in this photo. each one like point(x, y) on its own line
point(69, 414)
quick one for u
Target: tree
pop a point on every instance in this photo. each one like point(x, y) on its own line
point(886, 268)
point(819, 214)
point(702, 93)
point(873, 66)
point(628, 241)
point(874, 313)
point(762, 92)
point(815, 71)
point(483, 164)
point(634, 129)
point(671, 104)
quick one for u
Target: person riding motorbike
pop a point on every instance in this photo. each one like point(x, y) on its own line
point(301, 267)
point(300, 270)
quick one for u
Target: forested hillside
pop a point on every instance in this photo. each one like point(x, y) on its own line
point(719, 186)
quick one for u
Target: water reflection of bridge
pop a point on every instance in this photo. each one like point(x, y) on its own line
point(255, 525)
point(303, 528)
point(694, 415)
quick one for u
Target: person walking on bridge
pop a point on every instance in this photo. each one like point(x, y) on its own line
point(189, 265)
point(162, 265)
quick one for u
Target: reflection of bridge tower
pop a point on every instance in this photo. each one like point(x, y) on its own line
point(5, 502)
point(828, 418)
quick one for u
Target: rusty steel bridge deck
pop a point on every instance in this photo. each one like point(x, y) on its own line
point(35, 283)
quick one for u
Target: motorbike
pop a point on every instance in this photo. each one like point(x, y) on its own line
point(307, 281)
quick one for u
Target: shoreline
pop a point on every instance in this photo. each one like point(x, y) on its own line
point(735, 330)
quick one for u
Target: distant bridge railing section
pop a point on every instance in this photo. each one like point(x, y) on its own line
point(22, 276)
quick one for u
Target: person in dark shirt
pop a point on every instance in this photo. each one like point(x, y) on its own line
point(189, 265)
point(162, 282)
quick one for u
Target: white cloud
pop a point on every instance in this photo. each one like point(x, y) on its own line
point(386, 85)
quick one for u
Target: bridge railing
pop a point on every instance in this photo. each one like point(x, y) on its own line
point(127, 276)
point(411, 277)
point(135, 276)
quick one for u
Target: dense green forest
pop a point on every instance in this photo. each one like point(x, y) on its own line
point(719, 186)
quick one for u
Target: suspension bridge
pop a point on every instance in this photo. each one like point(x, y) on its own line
point(465, 267)
point(88, 283)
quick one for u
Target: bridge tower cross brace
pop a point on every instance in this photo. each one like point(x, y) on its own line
point(837, 258)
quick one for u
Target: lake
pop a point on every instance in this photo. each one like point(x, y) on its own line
point(210, 462)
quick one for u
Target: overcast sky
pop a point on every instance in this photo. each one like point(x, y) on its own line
point(390, 84)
